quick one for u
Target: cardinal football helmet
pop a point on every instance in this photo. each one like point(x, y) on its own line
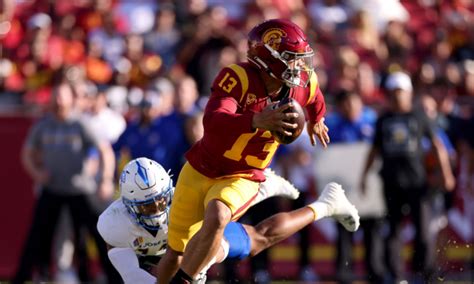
point(146, 190)
point(281, 48)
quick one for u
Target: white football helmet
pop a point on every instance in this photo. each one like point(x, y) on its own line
point(146, 190)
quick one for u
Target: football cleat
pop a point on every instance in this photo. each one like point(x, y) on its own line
point(275, 185)
point(339, 207)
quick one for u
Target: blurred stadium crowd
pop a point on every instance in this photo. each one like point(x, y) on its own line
point(141, 71)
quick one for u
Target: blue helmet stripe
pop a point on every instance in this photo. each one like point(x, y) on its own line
point(143, 174)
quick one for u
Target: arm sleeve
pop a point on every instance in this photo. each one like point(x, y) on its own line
point(114, 230)
point(228, 91)
point(316, 106)
point(126, 262)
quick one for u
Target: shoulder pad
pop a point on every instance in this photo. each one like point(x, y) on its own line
point(234, 81)
point(114, 225)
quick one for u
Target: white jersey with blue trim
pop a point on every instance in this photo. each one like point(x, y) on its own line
point(118, 229)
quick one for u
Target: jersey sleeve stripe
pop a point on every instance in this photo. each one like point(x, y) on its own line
point(313, 84)
point(244, 80)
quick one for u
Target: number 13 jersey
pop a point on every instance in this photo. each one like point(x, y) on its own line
point(230, 146)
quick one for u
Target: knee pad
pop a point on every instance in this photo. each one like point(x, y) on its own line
point(238, 239)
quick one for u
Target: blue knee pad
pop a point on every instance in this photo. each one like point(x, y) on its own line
point(239, 241)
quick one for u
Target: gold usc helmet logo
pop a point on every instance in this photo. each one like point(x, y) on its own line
point(273, 36)
point(251, 98)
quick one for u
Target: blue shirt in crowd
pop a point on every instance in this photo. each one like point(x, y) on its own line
point(163, 141)
point(341, 130)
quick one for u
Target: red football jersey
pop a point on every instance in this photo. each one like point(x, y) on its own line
point(230, 147)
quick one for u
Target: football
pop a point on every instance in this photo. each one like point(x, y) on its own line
point(300, 121)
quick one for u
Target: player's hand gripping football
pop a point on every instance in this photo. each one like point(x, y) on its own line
point(275, 118)
point(320, 130)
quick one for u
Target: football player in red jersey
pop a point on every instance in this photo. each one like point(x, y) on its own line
point(224, 168)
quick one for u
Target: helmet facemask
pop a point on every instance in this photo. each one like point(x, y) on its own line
point(295, 68)
point(299, 68)
point(151, 213)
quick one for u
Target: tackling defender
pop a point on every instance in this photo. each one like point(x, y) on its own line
point(135, 226)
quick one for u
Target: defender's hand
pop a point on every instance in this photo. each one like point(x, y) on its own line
point(275, 118)
point(320, 130)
